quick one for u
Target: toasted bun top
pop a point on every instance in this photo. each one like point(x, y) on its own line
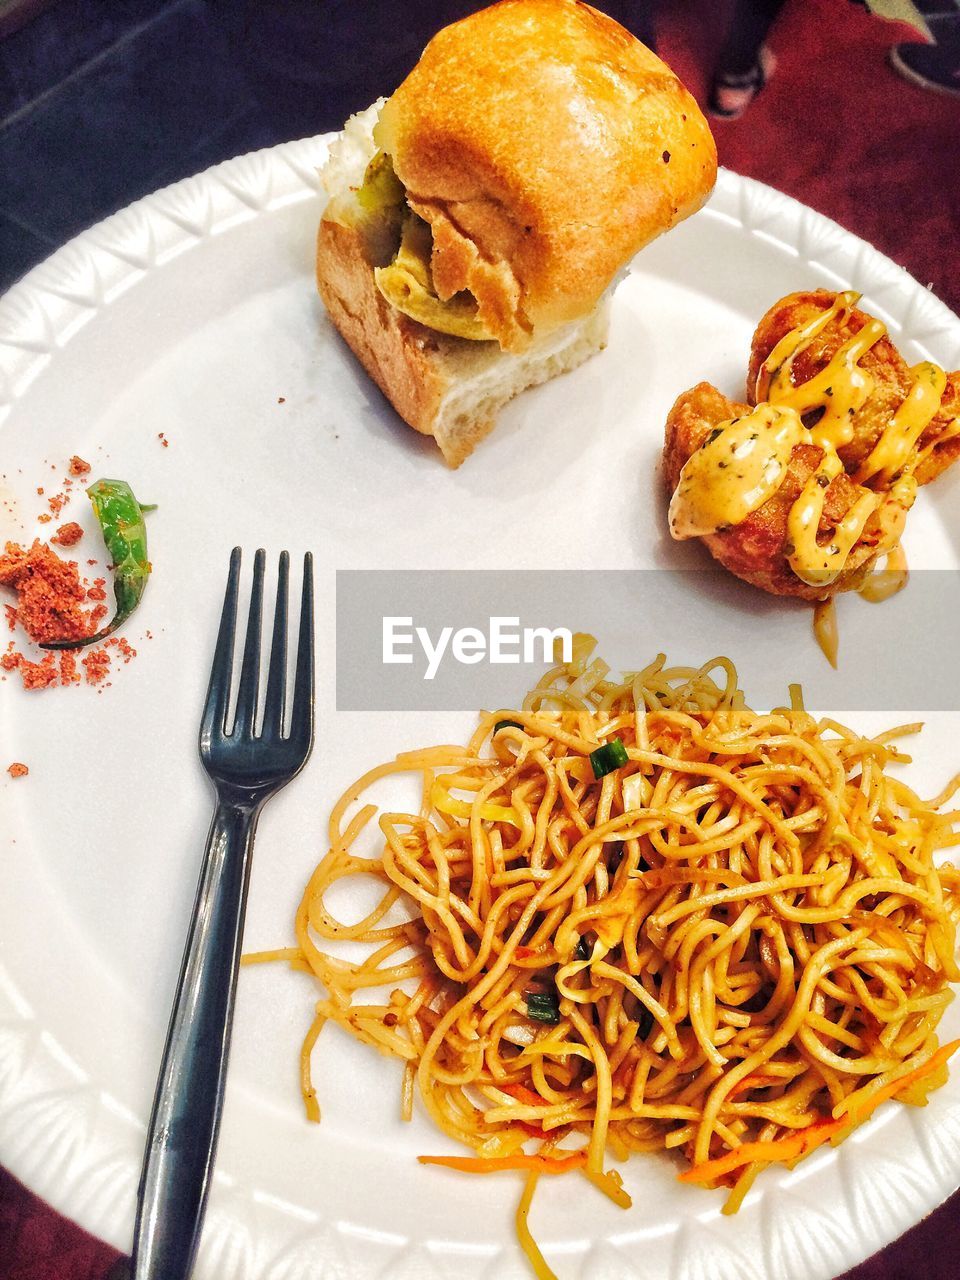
point(545, 145)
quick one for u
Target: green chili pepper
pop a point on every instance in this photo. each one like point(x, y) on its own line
point(610, 756)
point(125, 537)
point(543, 1006)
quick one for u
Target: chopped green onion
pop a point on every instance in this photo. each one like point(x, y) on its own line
point(506, 724)
point(543, 1006)
point(610, 756)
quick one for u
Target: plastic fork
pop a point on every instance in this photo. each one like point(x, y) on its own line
point(247, 767)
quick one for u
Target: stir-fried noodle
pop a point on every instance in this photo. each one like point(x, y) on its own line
point(733, 944)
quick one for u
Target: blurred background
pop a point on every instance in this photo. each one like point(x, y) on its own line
point(102, 101)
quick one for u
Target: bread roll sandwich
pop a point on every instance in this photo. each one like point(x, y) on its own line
point(478, 218)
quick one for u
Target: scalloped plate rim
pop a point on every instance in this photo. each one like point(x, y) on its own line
point(22, 360)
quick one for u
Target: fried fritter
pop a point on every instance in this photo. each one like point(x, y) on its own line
point(883, 362)
point(757, 548)
point(754, 549)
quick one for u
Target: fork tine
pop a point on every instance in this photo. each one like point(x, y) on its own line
point(301, 727)
point(214, 717)
point(277, 676)
point(247, 694)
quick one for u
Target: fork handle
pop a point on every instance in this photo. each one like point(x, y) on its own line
point(182, 1137)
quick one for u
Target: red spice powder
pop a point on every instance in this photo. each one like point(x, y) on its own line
point(97, 665)
point(68, 535)
point(17, 770)
point(68, 668)
point(38, 675)
point(51, 600)
point(123, 647)
point(50, 593)
point(163, 440)
point(78, 467)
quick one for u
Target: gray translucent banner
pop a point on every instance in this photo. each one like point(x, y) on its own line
point(455, 641)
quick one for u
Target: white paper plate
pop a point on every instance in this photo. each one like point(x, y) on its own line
point(192, 313)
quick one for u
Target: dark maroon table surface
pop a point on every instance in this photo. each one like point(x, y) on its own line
point(893, 181)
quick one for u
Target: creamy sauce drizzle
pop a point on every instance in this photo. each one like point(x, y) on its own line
point(814, 562)
point(825, 629)
point(744, 461)
point(907, 425)
point(741, 464)
point(878, 586)
point(886, 582)
point(841, 387)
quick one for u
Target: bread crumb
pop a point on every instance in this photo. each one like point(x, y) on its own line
point(78, 467)
point(17, 770)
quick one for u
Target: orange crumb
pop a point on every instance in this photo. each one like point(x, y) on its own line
point(68, 535)
point(68, 668)
point(45, 518)
point(163, 440)
point(50, 593)
point(17, 770)
point(38, 675)
point(97, 665)
point(54, 603)
point(58, 502)
point(123, 646)
point(78, 467)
